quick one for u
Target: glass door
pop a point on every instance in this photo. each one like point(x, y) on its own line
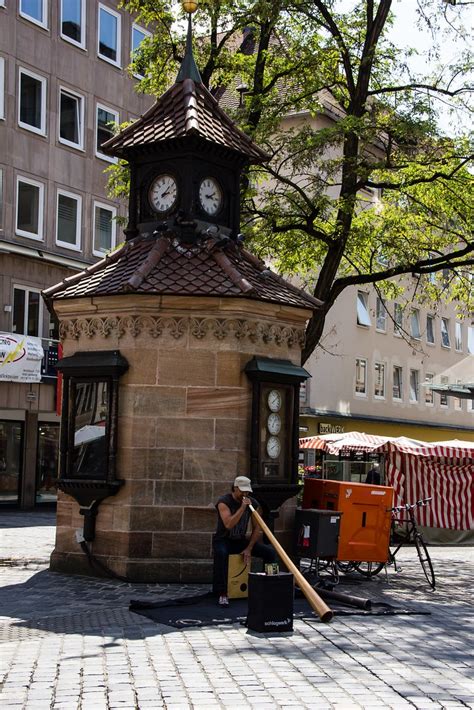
point(47, 466)
point(11, 447)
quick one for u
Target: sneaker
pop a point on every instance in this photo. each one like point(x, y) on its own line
point(223, 600)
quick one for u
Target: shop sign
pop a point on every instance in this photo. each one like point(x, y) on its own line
point(20, 358)
point(330, 428)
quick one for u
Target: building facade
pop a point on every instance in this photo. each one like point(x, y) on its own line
point(372, 371)
point(63, 85)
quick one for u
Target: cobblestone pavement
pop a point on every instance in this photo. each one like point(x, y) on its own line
point(71, 643)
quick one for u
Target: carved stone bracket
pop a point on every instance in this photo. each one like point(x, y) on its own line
point(178, 327)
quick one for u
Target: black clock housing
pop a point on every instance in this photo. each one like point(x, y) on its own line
point(189, 162)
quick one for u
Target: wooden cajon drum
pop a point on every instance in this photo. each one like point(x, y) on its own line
point(237, 577)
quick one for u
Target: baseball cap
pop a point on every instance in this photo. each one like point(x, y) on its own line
point(243, 483)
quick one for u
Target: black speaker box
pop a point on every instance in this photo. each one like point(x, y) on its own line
point(270, 605)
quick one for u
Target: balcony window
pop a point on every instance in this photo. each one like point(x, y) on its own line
point(363, 315)
point(32, 102)
point(73, 21)
point(415, 324)
point(27, 311)
point(35, 11)
point(379, 380)
point(381, 315)
point(397, 382)
point(397, 319)
point(29, 208)
point(106, 120)
point(68, 224)
point(109, 35)
point(104, 228)
point(429, 395)
point(458, 336)
point(445, 340)
point(443, 398)
point(414, 385)
point(361, 376)
point(138, 35)
point(430, 330)
point(71, 118)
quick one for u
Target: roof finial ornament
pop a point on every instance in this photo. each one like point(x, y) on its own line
point(188, 69)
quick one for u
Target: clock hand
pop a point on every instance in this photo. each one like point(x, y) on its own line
point(209, 197)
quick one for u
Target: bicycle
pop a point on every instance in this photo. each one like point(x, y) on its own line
point(413, 535)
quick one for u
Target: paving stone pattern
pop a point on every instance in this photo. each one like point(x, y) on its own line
point(71, 643)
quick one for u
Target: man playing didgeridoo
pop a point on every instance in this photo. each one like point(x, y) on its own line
point(233, 515)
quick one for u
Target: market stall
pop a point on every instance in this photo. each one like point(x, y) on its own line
point(441, 470)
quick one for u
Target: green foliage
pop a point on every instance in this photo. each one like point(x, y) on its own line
point(362, 187)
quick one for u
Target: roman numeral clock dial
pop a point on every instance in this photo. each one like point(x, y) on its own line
point(163, 194)
point(210, 196)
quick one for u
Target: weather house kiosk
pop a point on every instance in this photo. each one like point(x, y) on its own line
point(181, 357)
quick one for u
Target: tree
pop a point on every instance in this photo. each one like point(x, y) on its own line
point(306, 208)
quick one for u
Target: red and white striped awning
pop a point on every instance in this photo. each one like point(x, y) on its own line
point(358, 441)
point(351, 441)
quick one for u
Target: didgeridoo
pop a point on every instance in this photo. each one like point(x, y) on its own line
point(314, 600)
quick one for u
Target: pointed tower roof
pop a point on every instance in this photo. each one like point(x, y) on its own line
point(186, 109)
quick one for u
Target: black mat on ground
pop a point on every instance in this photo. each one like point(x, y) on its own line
point(203, 610)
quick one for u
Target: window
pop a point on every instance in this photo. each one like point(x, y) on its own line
point(35, 11)
point(73, 21)
point(379, 380)
point(109, 35)
point(138, 35)
point(470, 340)
point(107, 118)
point(397, 382)
point(458, 336)
point(1, 198)
point(414, 385)
point(415, 324)
point(2, 88)
point(27, 311)
point(29, 208)
point(445, 341)
point(361, 376)
point(430, 330)
point(71, 118)
point(32, 102)
point(381, 315)
point(429, 395)
point(397, 319)
point(68, 221)
point(363, 316)
point(443, 398)
point(104, 228)
point(458, 400)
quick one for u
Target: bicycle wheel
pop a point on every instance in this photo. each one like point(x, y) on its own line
point(369, 569)
point(346, 567)
point(425, 560)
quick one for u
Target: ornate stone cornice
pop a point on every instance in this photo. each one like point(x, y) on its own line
point(178, 327)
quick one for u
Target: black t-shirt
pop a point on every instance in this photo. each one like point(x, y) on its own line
point(239, 530)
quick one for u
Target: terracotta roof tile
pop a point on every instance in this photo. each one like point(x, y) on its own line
point(201, 269)
point(186, 109)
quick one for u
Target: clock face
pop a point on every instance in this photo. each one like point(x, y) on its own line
point(274, 400)
point(163, 193)
point(273, 447)
point(274, 423)
point(210, 196)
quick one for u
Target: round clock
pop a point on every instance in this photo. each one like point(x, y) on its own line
point(163, 193)
point(210, 196)
point(274, 423)
point(273, 447)
point(274, 400)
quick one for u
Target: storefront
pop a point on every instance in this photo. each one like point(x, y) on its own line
point(29, 424)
